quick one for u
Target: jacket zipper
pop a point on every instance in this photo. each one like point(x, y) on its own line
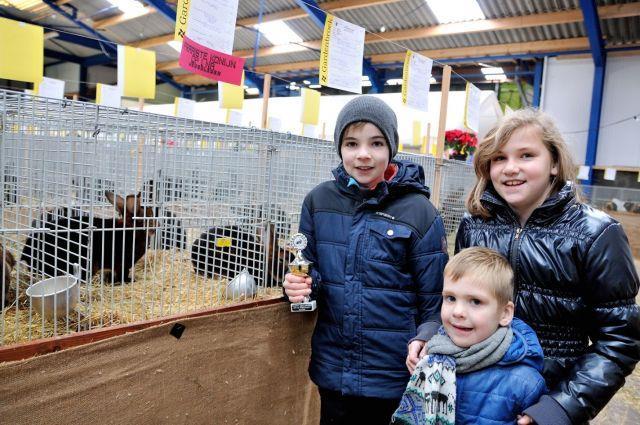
point(513, 255)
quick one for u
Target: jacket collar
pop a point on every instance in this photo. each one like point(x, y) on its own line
point(408, 178)
point(550, 208)
point(525, 347)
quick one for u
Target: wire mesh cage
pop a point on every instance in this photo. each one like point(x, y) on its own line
point(152, 215)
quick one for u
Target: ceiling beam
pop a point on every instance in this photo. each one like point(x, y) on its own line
point(578, 43)
point(299, 12)
point(122, 17)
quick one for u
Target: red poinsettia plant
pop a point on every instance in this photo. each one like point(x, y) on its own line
point(460, 142)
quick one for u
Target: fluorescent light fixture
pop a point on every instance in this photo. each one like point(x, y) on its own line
point(293, 86)
point(21, 4)
point(495, 77)
point(306, 82)
point(278, 33)
point(366, 83)
point(447, 11)
point(394, 82)
point(492, 70)
point(252, 91)
point(129, 7)
point(484, 65)
point(315, 86)
point(432, 80)
point(175, 44)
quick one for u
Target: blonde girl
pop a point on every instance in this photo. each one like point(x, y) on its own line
point(574, 276)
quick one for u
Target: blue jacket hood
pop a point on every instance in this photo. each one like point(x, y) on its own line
point(409, 178)
point(525, 347)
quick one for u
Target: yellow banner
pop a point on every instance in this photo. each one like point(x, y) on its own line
point(405, 76)
point(139, 73)
point(324, 51)
point(417, 133)
point(98, 93)
point(182, 16)
point(310, 106)
point(231, 96)
point(21, 51)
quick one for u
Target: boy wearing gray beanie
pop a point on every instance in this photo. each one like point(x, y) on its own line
point(378, 249)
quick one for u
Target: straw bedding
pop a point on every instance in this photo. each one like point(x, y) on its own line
point(164, 284)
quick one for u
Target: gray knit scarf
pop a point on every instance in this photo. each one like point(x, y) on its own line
point(430, 396)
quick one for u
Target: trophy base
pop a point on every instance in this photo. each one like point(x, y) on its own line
point(303, 307)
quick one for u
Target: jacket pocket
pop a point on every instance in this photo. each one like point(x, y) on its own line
point(388, 242)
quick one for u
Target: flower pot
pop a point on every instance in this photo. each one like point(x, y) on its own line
point(459, 156)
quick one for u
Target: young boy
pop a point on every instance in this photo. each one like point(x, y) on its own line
point(378, 249)
point(483, 366)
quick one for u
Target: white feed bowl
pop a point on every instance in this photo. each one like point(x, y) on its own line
point(57, 295)
point(243, 285)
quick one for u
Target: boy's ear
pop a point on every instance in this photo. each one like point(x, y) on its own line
point(507, 314)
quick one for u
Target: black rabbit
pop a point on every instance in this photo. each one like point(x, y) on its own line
point(117, 243)
point(226, 251)
point(7, 263)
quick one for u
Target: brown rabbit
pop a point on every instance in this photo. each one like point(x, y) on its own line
point(7, 263)
point(117, 243)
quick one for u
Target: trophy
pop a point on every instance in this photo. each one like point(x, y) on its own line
point(300, 267)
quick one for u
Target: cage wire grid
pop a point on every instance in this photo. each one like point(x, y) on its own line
point(159, 212)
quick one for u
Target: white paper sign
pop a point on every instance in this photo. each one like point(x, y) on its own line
point(415, 81)
point(107, 95)
point(50, 87)
point(583, 172)
point(275, 124)
point(609, 173)
point(309, 130)
point(472, 108)
point(341, 55)
point(235, 117)
point(212, 23)
point(185, 108)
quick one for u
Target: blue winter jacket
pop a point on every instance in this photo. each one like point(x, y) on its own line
point(377, 275)
point(497, 394)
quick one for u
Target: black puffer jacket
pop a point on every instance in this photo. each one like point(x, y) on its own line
point(576, 286)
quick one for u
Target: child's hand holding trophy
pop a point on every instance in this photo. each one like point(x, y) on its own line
point(300, 266)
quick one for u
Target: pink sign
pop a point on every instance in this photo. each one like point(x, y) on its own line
point(209, 63)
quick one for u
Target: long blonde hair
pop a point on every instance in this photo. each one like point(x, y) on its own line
point(495, 140)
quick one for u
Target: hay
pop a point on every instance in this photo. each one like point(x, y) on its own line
point(164, 284)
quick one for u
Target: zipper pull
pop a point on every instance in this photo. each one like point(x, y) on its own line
point(518, 231)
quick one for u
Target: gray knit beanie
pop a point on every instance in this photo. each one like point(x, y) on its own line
point(373, 110)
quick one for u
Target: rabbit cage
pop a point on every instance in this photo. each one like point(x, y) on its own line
point(155, 215)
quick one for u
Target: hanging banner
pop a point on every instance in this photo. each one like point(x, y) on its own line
point(472, 108)
point(184, 108)
point(182, 15)
point(310, 106)
point(208, 41)
point(49, 87)
point(107, 95)
point(341, 55)
point(21, 51)
point(415, 81)
point(136, 72)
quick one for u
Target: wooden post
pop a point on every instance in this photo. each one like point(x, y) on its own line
point(444, 100)
point(266, 89)
point(141, 103)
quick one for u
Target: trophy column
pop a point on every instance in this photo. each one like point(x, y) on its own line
point(300, 266)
